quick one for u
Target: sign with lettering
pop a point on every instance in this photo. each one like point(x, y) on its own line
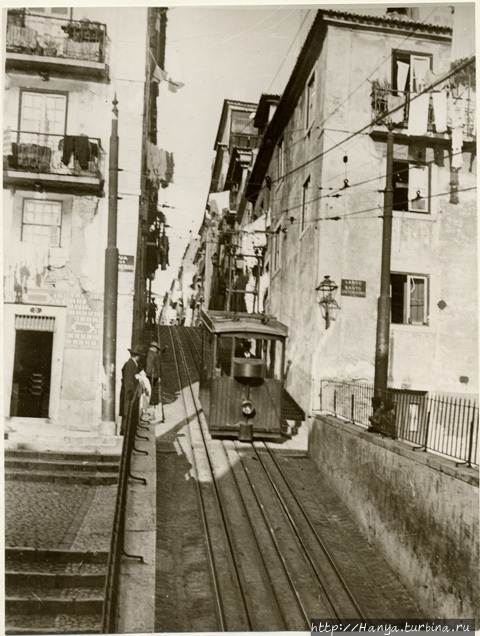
point(126, 263)
point(354, 287)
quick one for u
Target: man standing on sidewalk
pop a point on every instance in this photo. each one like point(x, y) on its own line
point(129, 383)
point(153, 370)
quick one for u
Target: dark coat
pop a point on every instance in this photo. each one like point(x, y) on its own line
point(129, 384)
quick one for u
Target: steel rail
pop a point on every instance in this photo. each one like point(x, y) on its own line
point(218, 599)
point(321, 543)
point(267, 522)
point(210, 462)
point(271, 531)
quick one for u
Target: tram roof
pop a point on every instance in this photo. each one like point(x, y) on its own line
point(231, 322)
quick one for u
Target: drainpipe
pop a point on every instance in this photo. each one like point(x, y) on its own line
point(111, 279)
point(383, 312)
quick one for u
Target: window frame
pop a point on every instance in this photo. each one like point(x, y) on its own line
point(305, 202)
point(277, 250)
point(44, 92)
point(60, 225)
point(310, 94)
point(407, 320)
point(281, 158)
point(396, 55)
point(413, 164)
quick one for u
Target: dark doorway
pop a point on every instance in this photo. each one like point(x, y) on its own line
point(31, 374)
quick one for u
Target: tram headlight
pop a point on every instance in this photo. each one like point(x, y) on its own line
point(247, 408)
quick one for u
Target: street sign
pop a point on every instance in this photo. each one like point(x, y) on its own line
point(125, 263)
point(354, 287)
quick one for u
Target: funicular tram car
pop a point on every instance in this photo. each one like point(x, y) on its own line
point(242, 375)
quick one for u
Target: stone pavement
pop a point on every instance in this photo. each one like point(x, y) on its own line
point(55, 515)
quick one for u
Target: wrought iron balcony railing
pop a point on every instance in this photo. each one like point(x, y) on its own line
point(73, 155)
point(33, 34)
point(238, 140)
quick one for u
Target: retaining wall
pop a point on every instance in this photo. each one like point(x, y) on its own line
point(421, 510)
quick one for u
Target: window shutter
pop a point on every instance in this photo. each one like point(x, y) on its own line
point(417, 300)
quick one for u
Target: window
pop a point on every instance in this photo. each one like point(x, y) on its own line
point(277, 249)
point(409, 71)
point(305, 198)
point(57, 11)
point(411, 187)
point(43, 113)
point(310, 105)
point(409, 294)
point(41, 222)
point(280, 160)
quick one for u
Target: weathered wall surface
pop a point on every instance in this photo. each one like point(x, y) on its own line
point(421, 509)
point(72, 275)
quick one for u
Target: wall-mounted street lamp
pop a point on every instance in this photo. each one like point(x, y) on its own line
point(326, 299)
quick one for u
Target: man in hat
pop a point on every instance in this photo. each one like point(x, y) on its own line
point(129, 383)
point(153, 370)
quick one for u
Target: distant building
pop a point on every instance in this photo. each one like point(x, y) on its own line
point(64, 68)
point(318, 182)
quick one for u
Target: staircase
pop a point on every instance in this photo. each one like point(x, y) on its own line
point(53, 591)
point(72, 468)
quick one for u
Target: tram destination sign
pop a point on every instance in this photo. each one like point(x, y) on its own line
point(354, 287)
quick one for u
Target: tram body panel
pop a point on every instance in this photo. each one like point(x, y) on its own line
point(243, 358)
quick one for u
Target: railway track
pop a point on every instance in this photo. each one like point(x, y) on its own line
point(268, 566)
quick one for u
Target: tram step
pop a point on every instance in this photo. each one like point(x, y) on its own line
point(47, 624)
point(85, 478)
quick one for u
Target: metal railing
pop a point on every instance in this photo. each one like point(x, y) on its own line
point(49, 36)
point(447, 425)
point(238, 140)
point(117, 544)
point(55, 154)
point(385, 99)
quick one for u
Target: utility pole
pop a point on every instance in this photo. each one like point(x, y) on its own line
point(111, 279)
point(384, 301)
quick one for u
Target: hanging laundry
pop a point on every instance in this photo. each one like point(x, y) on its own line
point(79, 146)
point(395, 101)
point(173, 87)
point(156, 164)
point(418, 115)
point(159, 74)
point(457, 144)
point(7, 142)
point(440, 111)
point(402, 74)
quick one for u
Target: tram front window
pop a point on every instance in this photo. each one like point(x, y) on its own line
point(267, 349)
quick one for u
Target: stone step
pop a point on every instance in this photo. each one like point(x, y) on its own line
point(26, 554)
point(63, 438)
point(57, 456)
point(59, 447)
point(53, 605)
point(48, 580)
point(51, 465)
point(47, 624)
point(72, 477)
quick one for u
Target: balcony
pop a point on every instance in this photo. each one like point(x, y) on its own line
point(385, 99)
point(51, 45)
point(244, 141)
point(57, 162)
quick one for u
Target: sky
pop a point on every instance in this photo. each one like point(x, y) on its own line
point(218, 53)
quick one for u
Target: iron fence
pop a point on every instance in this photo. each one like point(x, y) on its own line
point(73, 155)
point(50, 36)
point(447, 425)
point(117, 544)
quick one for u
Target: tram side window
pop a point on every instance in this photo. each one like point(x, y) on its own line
point(223, 363)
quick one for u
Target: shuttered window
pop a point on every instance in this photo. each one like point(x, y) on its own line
point(34, 323)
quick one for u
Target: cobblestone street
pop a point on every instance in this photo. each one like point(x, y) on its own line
point(53, 515)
